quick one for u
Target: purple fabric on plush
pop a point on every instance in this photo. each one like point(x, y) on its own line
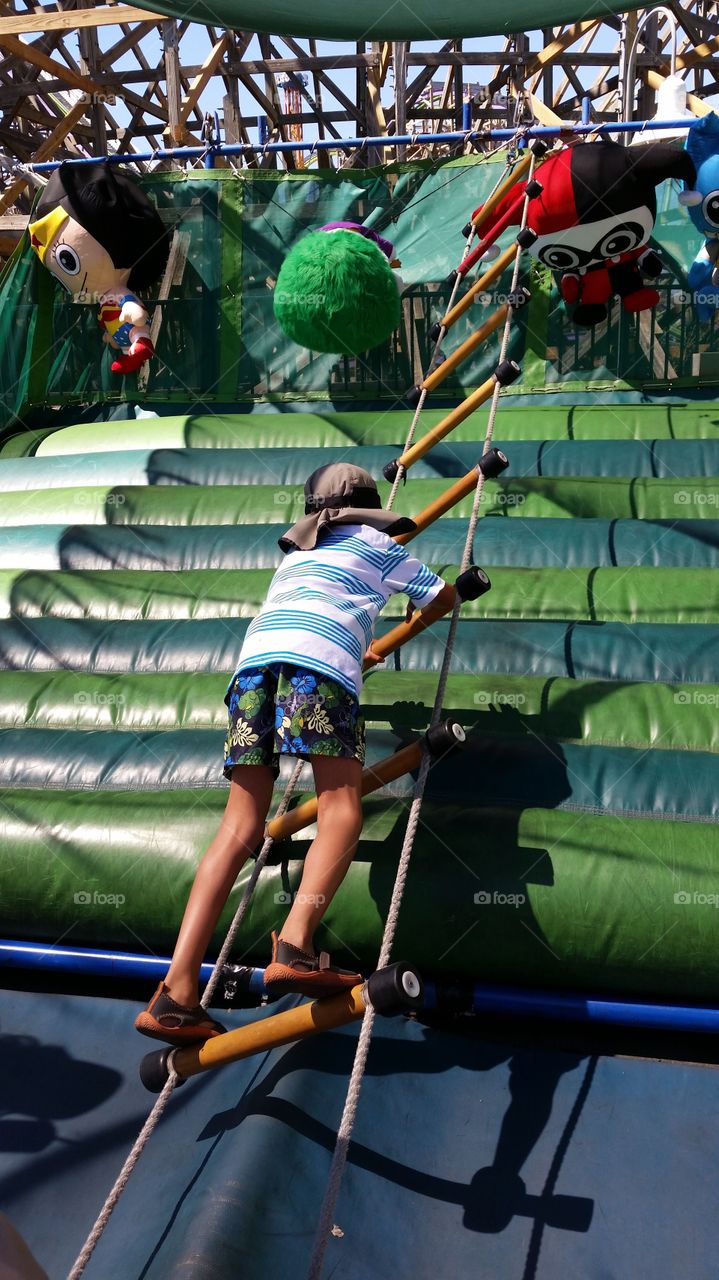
point(385, 245)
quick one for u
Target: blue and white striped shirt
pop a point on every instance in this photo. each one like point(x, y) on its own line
point(322, 605)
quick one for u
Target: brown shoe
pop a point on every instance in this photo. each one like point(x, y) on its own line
point(305, 974)
point(165, 1019)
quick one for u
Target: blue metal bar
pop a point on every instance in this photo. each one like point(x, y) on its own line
point(569, 1006)
point(92, 963)
point(565, 1006)
point(402, 140)
point(586, 106)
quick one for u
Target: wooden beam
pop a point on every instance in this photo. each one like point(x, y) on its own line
point(697, 105)
point(30, 53)
point(175, 131)
point(199, 84)
point(551, 52)
point(585, 46)
point(385, 57)
point(131, 38)
point(44, 152)
point(543, 113)
point(74, 19)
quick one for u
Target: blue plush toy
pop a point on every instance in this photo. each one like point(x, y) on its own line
point(702, 202)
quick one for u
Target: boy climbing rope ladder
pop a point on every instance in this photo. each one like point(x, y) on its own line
point(296, 692)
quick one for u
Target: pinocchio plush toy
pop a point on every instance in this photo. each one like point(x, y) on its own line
point(102, 238)
point(592, 220)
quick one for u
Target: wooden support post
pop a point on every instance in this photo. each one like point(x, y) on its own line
point(458, 91)
point(464, 351)
point(491, 274)
point(89, 65)
point(399, 59)
point(271, 1033)
point(379, 775)
point(376, 122)
point(175, 129)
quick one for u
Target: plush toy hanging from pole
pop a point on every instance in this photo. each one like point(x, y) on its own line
point(702, 201)
point(100, 236)
point(592, 221)
point(337, 292)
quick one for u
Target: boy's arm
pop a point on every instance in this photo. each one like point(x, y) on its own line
point(469, 586)
point(442, 604)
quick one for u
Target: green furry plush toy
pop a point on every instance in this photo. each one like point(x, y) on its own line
point(337, 292)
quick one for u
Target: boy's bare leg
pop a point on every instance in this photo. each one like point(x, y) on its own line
point(240, 832)
point(339, 823)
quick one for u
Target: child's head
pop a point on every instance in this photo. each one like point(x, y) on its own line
point(341, 484)
point(341, 493)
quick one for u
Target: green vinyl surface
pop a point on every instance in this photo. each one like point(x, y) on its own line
point(676, 716)
point(607, 651)
point(376, 22)
point(594, 595)
point(290, 463)
point(535, 542)
point(595, 890)
point(605, 497)
point(385, 427)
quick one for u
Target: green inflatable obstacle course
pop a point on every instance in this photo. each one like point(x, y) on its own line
point(138, 535)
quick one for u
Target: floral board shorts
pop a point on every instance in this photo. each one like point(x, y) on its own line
point(289, 710)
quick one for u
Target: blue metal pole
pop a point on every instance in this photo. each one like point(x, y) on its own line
point(565, 1006)
point(467, 115)
point(403, 140)
point(569, 1006)
point(101, 964)
point(586, 104)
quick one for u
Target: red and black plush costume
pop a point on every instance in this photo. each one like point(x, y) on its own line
point(593, 220)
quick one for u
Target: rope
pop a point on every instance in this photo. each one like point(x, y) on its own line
point(241, 911)
point(401, 471)
point(344, 1132)
point(160, 1106)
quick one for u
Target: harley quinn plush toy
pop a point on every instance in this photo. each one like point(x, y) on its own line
point(100, 236)
point(592, 221)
